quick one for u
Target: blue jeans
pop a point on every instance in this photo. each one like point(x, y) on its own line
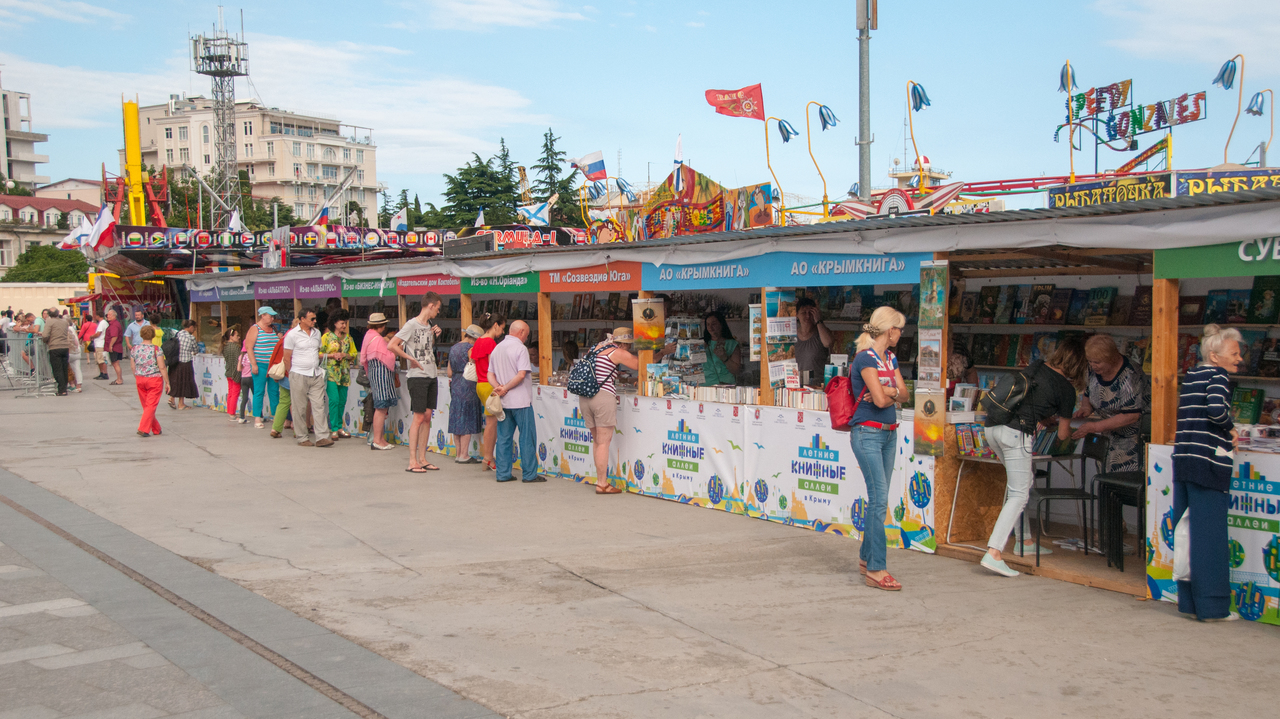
point(518, 420)
point(874, 448)
point(1208, 594)
point(262, 383)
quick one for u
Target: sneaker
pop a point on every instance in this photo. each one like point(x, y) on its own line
point(1228, 618)
point(1029, 548)
point(307, 443)
point(326, 442)
point(242, 420)
point(998, 566)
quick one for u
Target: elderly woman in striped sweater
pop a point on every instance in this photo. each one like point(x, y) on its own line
point(1203, 455)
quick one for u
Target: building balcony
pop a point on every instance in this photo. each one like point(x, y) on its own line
point(28, 136)
point(20, 156)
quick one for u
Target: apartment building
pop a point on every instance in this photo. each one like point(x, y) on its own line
point(73, 188)
point(18, 158)
point(297, 158)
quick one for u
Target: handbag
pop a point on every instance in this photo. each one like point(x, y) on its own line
point(275, 368)
point(493, 407)
point(469, 374)
point(1182, 548)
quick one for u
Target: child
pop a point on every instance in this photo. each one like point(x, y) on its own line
point(246, 384)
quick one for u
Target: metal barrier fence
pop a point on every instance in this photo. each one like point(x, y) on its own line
point(25, 364)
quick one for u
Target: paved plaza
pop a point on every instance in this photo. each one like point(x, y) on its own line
point(215, 572)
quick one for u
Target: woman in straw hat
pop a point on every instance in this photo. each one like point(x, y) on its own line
point(600, 413)
point(379, 365)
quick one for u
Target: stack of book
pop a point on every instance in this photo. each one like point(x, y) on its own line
point(803, 398)
point(1257, 306)
point(971, 440)
point(1052, 305)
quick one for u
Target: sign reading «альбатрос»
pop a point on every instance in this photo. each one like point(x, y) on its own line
point(788, 269)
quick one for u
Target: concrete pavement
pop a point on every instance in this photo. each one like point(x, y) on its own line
point(549, 601)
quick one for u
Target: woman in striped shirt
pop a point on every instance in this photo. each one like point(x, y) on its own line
point(260, 341)
point(600, 413)
point(1203, 457)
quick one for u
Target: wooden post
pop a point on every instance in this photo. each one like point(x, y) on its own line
point(1164, 361)
point(464, 305)
point(403, 305)
point(544, 338)
point(766, 388)
point(297, 308)
point(222, 317)
point(346, 304)
point(646, 356)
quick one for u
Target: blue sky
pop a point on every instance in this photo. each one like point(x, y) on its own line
point(440, 79)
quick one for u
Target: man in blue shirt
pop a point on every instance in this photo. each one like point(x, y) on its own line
point(133, 333)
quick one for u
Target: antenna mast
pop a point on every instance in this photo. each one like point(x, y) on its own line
point(222, 58)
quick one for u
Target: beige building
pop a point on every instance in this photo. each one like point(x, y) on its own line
point(35, 296)
point(298, 158)
point(18, 158)
point(89, 191)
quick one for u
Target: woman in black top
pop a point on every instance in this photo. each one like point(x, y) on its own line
point(1052, 395)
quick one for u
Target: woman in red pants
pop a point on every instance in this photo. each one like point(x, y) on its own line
point(152, 378)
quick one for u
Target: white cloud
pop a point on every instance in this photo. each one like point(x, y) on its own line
point(63, 10)
point(696, 24)
point(650, 28)
point(704, 13)
point(485, 14)
point(1198, 31)
point(83, 98)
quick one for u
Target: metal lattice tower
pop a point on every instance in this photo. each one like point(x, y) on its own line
point(222, 57)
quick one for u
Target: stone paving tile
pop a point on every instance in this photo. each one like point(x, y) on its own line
point(33, 607)
point(131, 711)
point(34, 711)
point(92, 656)
point(40, 651)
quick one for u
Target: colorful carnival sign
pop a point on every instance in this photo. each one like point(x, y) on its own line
point(1084, 194)
point(524, 282)
point(788, 269)
point(422, 284)
point(614, 276)
point(1211, 183)
point(1253, 531)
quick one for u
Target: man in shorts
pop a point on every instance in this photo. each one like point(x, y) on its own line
point(416, 343)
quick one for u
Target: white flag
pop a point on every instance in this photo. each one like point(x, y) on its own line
point(678, 183)
point(102, 227)
point(480, 218)
point(400, 221)
point(234, 224)
point(78, 237)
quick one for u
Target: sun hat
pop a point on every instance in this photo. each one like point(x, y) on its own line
point(265, 310)
point(474, 332)
point(377, 318)
point(623, 334)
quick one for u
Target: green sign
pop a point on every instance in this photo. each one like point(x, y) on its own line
point(1234, 259)
point(369, 288)
point(235, 294)
point(526, 282)
point(811, 485)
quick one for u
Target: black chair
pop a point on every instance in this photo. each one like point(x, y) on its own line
point(1115, 490)
point(1048, 494)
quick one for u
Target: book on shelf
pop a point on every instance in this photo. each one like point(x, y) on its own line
point(1215, 307)
point(1098, 308)
point(1264, 300)
point(960, 417)
point(1188, 352)
point(1141, 312)
point(968, 308)
point(981, 350)
point(1251, 351)
point(1008, 300)
point(1246, 405)
point(988, 299)
point(1121, 308)
point(1041, 303)
point(1059, 306)
point(1025, 344)
point(1191, 310)
point(1022, 305)
point(1075, 313)
point(1237, 307)
point(1043, 344)
point(1047, 443)
point(1269, 358)
point(1000, 350)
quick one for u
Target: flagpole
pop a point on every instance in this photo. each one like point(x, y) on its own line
point(782, 211)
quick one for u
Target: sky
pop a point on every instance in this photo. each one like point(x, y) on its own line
point(438, 80)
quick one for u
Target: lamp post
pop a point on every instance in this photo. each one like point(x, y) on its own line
point(1067, 83)
point(826, 118)
point(1225, 78)
point(919, 100)
point(787, 131)
point(1257, 105)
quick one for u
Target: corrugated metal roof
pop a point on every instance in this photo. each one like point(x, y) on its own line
point(850, 226)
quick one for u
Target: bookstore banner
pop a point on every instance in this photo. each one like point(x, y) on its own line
point(1253, 531)
point(802, 472)
point(684, 450)
point(564, 442)
point(400, 419)
point(211, 374)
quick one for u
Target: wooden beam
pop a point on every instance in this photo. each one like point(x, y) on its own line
point(1129, 266)
point(646, 356)
point(222, 318)
point(1164, 361)
point(545, 347)
point(464, 305)
point(1040, 271)
point(346, 303)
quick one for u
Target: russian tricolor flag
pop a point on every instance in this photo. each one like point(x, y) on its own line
point(592, 166)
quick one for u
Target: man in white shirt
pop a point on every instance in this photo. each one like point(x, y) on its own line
point(416, 343)
point(99, 343)
point(510, 374)
point(307, 384)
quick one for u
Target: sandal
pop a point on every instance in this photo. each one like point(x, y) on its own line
point(610, 489)
point(862, 568)
point(887, 583)
point(417, 470)
point(490, 465)
point(430, 467)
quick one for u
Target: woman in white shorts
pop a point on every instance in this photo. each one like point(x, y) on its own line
point(600, 413)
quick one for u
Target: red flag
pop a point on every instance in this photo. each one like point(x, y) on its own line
point(747, 102)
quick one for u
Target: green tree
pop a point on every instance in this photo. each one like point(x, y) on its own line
point(477, 186)
point(46, 263)
point(16, 190)
point(385, 213)
point(548, 182)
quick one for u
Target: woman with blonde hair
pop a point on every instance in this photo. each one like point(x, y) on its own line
point(1120, 394)
point(1203, 456)
point(1051, 394)
point(877, 387)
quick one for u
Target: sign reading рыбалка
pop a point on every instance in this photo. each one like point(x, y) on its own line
point(788, 269)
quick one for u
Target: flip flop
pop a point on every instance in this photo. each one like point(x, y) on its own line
point(417, 470)
point(888, 583)
point(608, 490)
point(430, 467)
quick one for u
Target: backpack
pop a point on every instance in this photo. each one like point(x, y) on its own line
point(841, 403)
point(1003, 401)
point(170, 348)
point(582, 375)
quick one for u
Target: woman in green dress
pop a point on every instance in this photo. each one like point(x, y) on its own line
point(724, 355)
point(338, 351)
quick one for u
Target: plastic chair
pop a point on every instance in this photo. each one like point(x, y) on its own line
point(1115, 490)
